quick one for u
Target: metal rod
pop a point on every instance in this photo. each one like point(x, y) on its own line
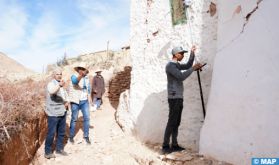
point(203, 108)
point(188, 3)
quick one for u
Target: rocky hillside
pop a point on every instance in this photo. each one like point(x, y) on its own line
point(12, 70)
point(109, 62)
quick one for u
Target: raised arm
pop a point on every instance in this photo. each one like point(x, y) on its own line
point(190, 62)
point(75, 79)
point(52, 88)
point(175, 72)
point(180, 75)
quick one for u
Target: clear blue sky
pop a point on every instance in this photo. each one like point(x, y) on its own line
point(38, 32)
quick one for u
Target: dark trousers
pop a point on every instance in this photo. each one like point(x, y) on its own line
point(55, 125)
point(175, 111)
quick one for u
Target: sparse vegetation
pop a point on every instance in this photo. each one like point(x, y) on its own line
point(79, 59)
point(111, 55)
point(18, 104)
point(63, 61)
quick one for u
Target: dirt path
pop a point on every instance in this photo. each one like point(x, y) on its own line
point(109, 144)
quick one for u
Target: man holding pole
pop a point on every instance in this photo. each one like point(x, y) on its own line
point(176, 74)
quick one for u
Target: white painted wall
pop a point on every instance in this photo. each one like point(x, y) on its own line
point(243, 107)
point(147, 113)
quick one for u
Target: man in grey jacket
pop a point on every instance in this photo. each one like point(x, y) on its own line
point(176, 74)
point(56, 105)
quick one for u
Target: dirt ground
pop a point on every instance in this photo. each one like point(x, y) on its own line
point(111, 146)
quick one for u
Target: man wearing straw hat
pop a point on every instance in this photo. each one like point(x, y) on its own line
point(79, 90)
point(98, 89)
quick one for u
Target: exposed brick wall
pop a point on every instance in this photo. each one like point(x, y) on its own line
point(118, 84)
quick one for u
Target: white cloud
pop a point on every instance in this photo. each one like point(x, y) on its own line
point(12, 31)
point(42, 46)
point(44, 33)
point(102, 23)
point(47, 39)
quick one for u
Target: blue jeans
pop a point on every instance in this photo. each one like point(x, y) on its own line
point(55, 125)
point(97, 102)
point(84, 107)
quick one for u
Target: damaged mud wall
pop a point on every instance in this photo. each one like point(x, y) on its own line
point(243, 107)
point(22, 146)
point(153, 35)
point(118, 84)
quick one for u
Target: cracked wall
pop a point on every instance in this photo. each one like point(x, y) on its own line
point(152, 38)
point(243, 106)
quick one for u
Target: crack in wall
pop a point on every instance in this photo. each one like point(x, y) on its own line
point(247, 17)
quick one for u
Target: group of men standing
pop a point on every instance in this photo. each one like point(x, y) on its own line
point(81, 88)
point(82, 91)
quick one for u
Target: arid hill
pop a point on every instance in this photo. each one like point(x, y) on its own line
point(11, 69)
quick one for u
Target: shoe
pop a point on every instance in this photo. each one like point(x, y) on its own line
point(49, 156)
point(166, 150)
point(177, 148)
point(87, 140)
point(92, 109)
point(61, 152)
point(71, 139)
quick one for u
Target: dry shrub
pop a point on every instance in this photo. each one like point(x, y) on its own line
point(19, 103)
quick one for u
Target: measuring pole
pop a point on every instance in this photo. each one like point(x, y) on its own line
point(201, 94)
point(188, 3)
